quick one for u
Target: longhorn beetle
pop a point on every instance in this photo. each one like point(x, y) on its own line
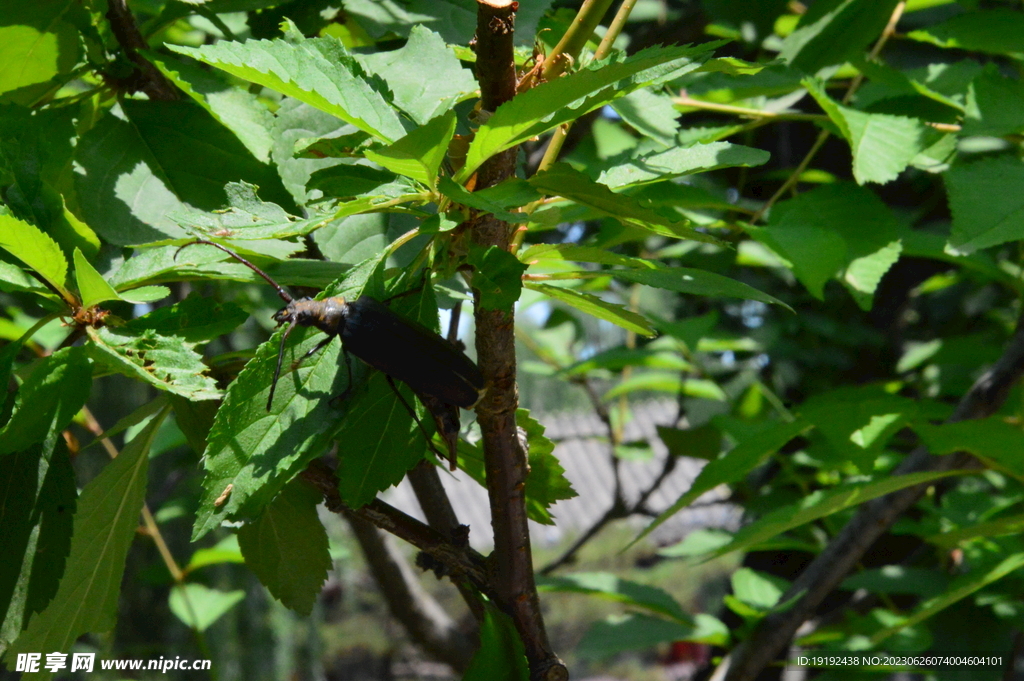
point(400, 348)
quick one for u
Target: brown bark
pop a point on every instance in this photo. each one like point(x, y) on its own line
point(511, 564)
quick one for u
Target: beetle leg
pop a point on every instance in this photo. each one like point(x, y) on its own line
point(317, 348)
point(412, 412)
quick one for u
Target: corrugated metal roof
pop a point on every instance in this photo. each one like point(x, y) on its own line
point(582, 448)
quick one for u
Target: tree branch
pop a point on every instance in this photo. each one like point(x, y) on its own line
point(872, 520)
point(437, 507)
point(148, 78)
point(460, 562)
point(504, 455)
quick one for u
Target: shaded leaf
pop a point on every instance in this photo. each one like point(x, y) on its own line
point(200, 606)
point(498, 277)
point(612, 587)
point(732, 466)
point(501, 656)
point(820, 504)
point(993, 31)
point(37, 42)
point(37, 250)
point(697, 282)
point(682, 160)
point(425, 77)
point(995, 105)
point(986, 198)
point(546, 483)
point(49, 398)
point(835, 34)
point(104, 526)
point(287, 547)
point(637, 632)
point(882, 145)
point(317, 71)
point(419, 154)
point(562, 180)
point(592, 305)
point(834, 231)
point(666, 382)
point(37, 505)
point(992, 439)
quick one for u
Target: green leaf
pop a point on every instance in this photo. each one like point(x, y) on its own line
point(834, 231)
point(37, 250)
point(419, 154)
point(702, 442)
point(200, 606)
point(689, 330)
point(36, 43)
point(159, 348)
point(859, 421)
point(651, 114)
point(882, 145)
point(317, 71)
point(986, 198)
point(757, 589)
point(682, 160)
point(166, 362)
point(424, 76)
point(501, 656)
point(620, 633)
point(666, 382)
point(455, 20)
point(993, 31)
point(898, 579)
point(614, 588)
point(540, 253)
point(498, 277)
point(380, 441)
point(696, 282)
point(995, 105)
point(226, 550)
point(246, 217)
point(837, 35)
point(257, 452)
point(592, 305)
point(617, 359)
point(92, 287)
point(992, 440)
point(993, 528)
point(960, 588)
point(37, 498)
point(565, 99)
point(732, 466)
point(562, 179)
point(137, 170)
point(481, 200)
point(48, 399)
point(236, 108)
point(546, 483)
point(295, 121)
point(104, 526)
point(820, 504)
point(287, 548)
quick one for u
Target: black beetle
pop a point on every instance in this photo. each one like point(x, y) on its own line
point(400, 348)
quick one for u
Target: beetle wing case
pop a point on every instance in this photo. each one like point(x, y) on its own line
point(410, 352)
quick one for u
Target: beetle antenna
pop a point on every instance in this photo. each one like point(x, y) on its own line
point(285, 296)
point(280, 358)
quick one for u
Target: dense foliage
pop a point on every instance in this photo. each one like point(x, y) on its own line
point(798, 220)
